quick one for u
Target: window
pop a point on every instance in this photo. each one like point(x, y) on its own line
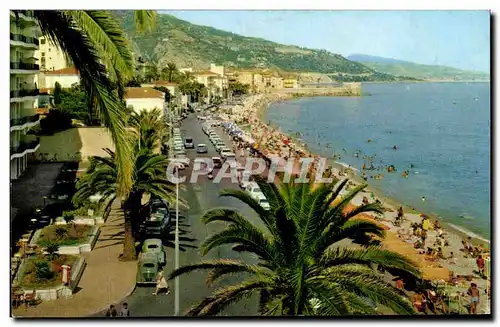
point(43, 54)
point(42, 41)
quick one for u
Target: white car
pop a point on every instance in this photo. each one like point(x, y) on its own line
point(253, 189)
point(201, 148)
point(219, 145)
point(261, 198)
point(224, 151)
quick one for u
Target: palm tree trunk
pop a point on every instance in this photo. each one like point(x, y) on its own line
point(129, 251)
point(131, 209)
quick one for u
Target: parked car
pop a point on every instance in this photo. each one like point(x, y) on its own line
point(154, 245)
point(147, 268)
point(230, 157)
point(253, 189)
point(219, 146)
point(201, 148)
point(224, 151)
point(261, 198)
point(156, 225)
point(188, 143)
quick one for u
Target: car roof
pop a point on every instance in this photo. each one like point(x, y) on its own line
point(152, 241)
point(202, 144)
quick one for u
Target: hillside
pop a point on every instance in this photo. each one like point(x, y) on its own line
point(426, 72)
point(190, 45)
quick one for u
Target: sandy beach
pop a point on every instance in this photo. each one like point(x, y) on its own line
point(399, 236)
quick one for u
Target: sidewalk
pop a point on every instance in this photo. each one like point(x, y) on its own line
point(105, 280)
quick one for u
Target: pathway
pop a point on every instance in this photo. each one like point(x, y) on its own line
point(106, 280)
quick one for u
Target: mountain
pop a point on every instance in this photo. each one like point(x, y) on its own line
point(190, 45)
point(420, 71)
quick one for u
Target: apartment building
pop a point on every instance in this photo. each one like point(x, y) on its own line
point(50, 56)
point(144, 98)
point(66, 77)
point(24, 91)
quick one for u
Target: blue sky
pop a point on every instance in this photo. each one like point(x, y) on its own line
point(455, 38)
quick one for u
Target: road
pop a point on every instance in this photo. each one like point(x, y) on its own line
point(200, 197)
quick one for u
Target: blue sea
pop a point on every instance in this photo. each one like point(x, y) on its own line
point(442, 129)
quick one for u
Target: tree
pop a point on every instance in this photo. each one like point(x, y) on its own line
point(94, 41)
point(149, 127)
point(148, 177)
point(238, 88)
point(169, 71)
point(57, 93)
point(165, 90)
point(301, 269)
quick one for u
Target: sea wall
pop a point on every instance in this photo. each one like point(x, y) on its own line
point(347, 89)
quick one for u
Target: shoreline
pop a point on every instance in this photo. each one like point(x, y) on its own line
point(262, 104)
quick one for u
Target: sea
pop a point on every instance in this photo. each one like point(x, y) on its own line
point(442, 136)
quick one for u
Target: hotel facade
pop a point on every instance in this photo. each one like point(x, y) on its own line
point(23, 89)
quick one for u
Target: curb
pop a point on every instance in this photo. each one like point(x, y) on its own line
point(94, 315)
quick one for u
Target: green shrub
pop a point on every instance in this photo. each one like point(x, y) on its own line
point(68, 216)
point(61, 232)
point(43, 270)
point(52, 248)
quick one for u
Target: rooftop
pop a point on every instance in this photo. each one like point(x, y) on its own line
point(65, 71)
point(143, 93)
point(206, 72)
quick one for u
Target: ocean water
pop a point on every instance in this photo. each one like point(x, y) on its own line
point(442, 129)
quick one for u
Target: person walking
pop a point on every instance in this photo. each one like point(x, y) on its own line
point(111, 311)
point(125, 312)
point(480, 265)
point(474, 298)
point(161, 283)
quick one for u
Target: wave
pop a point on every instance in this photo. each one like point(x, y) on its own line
point(468, 232)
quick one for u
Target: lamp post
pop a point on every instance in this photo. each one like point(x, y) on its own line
point(177, 288)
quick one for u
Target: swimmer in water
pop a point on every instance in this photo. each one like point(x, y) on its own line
point(423, 199)
point(395, 147)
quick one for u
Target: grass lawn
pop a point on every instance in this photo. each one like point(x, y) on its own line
point(70, 234)
point(41, 272)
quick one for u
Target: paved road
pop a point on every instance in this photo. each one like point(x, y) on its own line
point(200, 197)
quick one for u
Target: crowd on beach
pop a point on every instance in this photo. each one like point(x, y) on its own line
point(468, 275)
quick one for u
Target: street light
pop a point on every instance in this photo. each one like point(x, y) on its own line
point(177, 288)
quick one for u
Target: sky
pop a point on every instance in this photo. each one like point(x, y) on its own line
point(459, 39)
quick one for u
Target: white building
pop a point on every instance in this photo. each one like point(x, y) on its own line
point(66, 77)
point(50, 56)
point(23, 89)
point(140, 98)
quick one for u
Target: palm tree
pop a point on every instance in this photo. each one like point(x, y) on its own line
point(169, 71)
point(148, 178)
point(95, 43)
point(150, 127)
point(301, 269)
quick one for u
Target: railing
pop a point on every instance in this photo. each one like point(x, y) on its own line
point(23, 146)
point(24, 65)
point(25, 39)
point(24, 93)
point(24, 120)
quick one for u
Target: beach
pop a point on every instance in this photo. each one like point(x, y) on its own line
point(399, 237)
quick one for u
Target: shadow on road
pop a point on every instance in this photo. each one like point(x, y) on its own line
point(184, 229)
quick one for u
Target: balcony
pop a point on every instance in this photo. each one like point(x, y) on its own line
point(25, 17)
point(24, 93)
point(24, 39)
point(24, 148)
point(23, 122)
point(24, 66)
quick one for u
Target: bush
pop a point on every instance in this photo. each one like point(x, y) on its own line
point(52, 249)
point(68, 216)
point(64, 234)
point(43, 270)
